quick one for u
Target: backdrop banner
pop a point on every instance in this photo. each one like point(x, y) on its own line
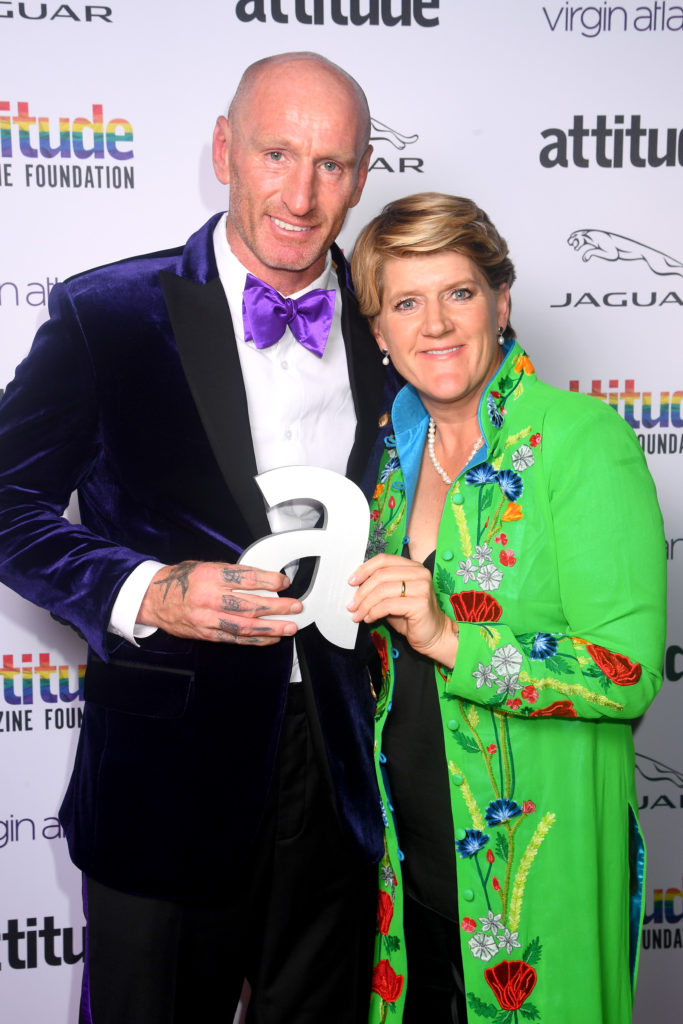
point(563, 121)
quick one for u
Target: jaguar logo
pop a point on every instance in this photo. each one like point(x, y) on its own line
point(605, 245)
point(383, 133)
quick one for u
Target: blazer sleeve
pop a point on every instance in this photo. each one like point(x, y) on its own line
point(600, 507)
point(50, 445)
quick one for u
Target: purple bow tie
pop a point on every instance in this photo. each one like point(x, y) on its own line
point(266, 315)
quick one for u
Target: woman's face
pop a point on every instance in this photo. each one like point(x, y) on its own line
point(439, 320)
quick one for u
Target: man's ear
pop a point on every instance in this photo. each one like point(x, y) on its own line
point(222, 137)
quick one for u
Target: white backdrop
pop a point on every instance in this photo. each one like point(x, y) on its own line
point(563, 121)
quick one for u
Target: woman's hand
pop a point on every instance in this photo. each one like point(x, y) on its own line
point(402, 592)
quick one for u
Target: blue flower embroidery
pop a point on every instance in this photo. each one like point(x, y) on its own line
point(494, 414)
point(500, 811)
point(391, 466)
point(473, 842)
point(483, 474)
point(510, 484)
point(544, 646)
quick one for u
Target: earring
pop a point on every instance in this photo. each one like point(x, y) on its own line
point(501, 335)
point(385, 357)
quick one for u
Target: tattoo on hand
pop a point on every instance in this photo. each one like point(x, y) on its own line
point(179, 574)
point(232, 574)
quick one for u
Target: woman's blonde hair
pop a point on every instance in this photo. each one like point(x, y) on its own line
point(423, 224)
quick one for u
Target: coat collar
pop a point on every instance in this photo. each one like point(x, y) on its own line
point(202, 327)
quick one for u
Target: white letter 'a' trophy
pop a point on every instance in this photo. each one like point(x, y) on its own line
point(339, 545)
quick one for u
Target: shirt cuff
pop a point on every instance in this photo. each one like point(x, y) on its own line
point(128, 602)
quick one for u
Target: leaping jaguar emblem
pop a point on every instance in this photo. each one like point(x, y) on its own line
point(383, 133)
point(604, 245)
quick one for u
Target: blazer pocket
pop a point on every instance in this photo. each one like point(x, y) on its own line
point(137, 689)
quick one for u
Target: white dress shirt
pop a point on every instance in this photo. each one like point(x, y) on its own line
point(300, 414)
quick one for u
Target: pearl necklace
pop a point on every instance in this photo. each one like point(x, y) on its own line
point(431, 435)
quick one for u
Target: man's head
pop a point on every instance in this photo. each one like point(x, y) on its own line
point(294, 150)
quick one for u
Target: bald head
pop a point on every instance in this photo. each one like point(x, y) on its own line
point(283, 66)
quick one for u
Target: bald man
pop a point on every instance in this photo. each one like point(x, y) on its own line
point(222, 807)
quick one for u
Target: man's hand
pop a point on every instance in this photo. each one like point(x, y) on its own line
point(204, 600)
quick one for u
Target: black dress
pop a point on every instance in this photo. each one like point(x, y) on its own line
point(414, 748)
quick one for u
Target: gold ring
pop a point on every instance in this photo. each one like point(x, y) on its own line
point(403, 588)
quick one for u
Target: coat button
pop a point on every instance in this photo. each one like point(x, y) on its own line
point(457, 499)
point(454, 725)
point(468, 895)
point(447, 555)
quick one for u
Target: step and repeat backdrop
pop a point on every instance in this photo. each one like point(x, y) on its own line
point(563, 121)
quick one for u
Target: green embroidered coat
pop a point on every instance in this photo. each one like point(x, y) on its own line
point(551, 556)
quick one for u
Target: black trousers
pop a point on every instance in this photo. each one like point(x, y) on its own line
point(299, 926)
point(435, 992)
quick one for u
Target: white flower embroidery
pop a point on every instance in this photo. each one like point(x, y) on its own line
point(467, 570)
point(491, 923)
point(483, 946)
point(507, 660)
point(489, 578)
point(484, 675)
point(509, 685)
point(508, 940)
point(484, 553)
point(522, 458)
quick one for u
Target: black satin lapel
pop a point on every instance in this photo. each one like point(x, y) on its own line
point(202, 327)
point(367, 383)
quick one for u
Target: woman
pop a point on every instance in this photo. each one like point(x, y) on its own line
point(520, 608)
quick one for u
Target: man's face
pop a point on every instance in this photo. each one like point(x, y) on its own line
point(291, 156)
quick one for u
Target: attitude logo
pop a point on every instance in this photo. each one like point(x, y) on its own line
point(614, 144)
point(382, 133)
point(662, 920)
point(39, 696)
point(38, 151)
point(29, 944)
point(390, 13)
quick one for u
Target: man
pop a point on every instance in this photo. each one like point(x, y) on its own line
point(224, 812)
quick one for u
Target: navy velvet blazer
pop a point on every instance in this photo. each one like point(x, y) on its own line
point(132, 395)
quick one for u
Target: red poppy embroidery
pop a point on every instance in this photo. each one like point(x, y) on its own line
point(501, 539)
point(386, 982)
point(535, 440)
point(528, 807)
point(475, 606)
point(558, 709)
point(468, 924)
point(507, 558)
point(514, 704)
point(530, 693)
point(617, 667)
point(382, 649)
point(385, 912)
point(512, 982)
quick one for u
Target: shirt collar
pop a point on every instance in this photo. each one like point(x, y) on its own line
point(233, 274)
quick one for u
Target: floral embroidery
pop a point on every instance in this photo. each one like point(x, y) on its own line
point(387, 984)
point(617, 667)
point(385, 911)
point(483, 946)
point(473, 606)
point(512, 982)
point(502, 810)
point(473, 842)
point(523, 458)
point(558, 709)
